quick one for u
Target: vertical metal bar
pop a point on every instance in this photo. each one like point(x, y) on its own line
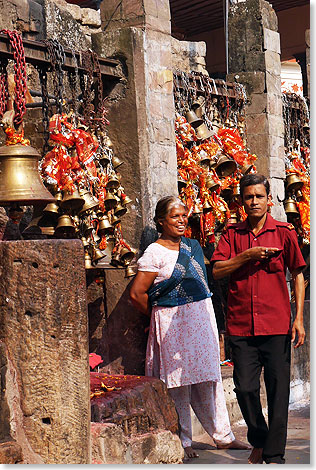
point(225, 2)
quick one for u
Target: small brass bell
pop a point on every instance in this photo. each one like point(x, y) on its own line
point(115, 261)
point(206, 206)
point(225, 166)
point(105, 226)
point(65, 227)
point(192, 119)
point(126, 200)
point(110, 201)
point(126, 256)
point(87, 260)
point(33, 226)
point(72, 201)
point(293, 182)
point(90, 201)
point(52, 208)
point(120, 210)
point(205, 160)
point(104, 158)
point(246, 169)
point(105, 261)
point(181, 183)
point(130, 271)
point(198, 208)
point(299, 194)
point(113, 182)
point(115, 220)
point(20, 181)
point(290, 207)
point(59, 196)
point(116, 162)
point(203, 133)
point(233, 218)
point(97, 254)
point(85, 242)
point(211, 184)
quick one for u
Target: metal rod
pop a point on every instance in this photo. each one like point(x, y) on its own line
point(226, 32)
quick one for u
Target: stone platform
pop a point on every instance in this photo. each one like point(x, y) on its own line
point(135, 423)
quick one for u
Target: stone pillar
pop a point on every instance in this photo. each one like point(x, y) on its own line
point(254, 60)
point(44, 397)
point(142, 117)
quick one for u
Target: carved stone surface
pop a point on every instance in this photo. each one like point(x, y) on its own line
point(10, 453)
point(44, 350)
point(141, 405)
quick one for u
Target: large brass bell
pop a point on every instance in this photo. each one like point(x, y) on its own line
point(192, 119)
point(126, 256)
point(90, 201)
point(126, 200)
point(211, 184)
point(293, 182)
point(205, 160)
point(110, 201)
point(72, 201)
point(20, 181)
point(290, 207)
point(105, 226)
point(203, 133)
point(65, 227)
point(120, 210)
point(225, 166)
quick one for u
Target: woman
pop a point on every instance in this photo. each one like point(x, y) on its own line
point(183, 347)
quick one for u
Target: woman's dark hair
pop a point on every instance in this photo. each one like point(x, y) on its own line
point(252, 179)
point(163, 208)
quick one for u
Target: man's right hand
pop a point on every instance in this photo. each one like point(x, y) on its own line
point(259, 253)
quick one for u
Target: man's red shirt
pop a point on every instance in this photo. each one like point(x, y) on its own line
point(258, 299)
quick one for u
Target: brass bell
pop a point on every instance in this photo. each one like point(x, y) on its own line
point(299, 194)
point(130, 271)
point(227, 193)
point(48, 230)
point(120, 210)
point(225, 166)
point(192, 119)
point(105, 261)
point(87, 260)
point(206, 206)
point(59, 196)
point(52, 209)
point(290, 207)
point(211, 184)
point(205, 161)
point(203, 133)
point(33, 226)
point(293, 182)
point(90, 201)
point(113, 182)
point(20, 181)
point(198, 208)
point(246, 169)
point(72, 201)
point(65, 226)
point(115, 220)
point(97, 254)
point(116, 162)
point(104, 158)
point(115, 261)
point(85, 242)
point(181, 183)
point(233, 218)
point(126, 256)
point(126, 200)
point(110, 201)
point(105, 226)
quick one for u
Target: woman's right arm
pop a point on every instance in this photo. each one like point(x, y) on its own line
point(138, 292)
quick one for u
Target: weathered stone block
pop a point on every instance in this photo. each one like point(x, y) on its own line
point(158, 24)
point(268, 15)
point(277, 192)
point(90, 17)
point(10, 453)
point(273, 83)
point(257, 124)
point(271, 40)
point(272, 62)
point(276, 145)
point(307, 38)
point(274, 104)
point(276, 125)
point(108, 444)
point(44, 337)
point(157, 448)
point(255, 82)
point(277, 167)
point(258, 104)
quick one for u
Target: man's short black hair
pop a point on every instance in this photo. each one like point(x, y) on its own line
point(251, 179)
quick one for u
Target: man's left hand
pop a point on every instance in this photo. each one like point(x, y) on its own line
point(299, 332)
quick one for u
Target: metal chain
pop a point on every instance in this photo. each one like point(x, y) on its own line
point(100, 119)
point(57, 57)
point(88, 108)
point(42, 72)
point(4, 93)
point(73, 80)
point(19, 75)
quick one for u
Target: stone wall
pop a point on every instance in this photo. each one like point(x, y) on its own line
point(188, 56)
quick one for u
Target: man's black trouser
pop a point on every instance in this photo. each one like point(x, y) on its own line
point(249, 355)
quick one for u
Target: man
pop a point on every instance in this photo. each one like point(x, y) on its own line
point(255, 254)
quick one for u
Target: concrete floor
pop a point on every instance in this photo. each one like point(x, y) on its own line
point(297, 449)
